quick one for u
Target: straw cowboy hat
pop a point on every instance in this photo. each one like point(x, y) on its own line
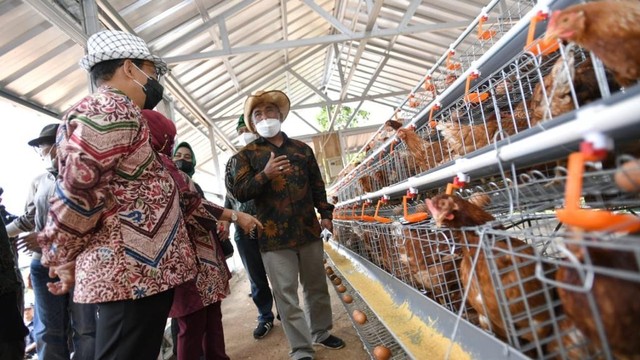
point(276, 97)
point(113, 44)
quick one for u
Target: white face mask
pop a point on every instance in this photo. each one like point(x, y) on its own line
point(268, 128)
point(51, 164)
point(246, 138)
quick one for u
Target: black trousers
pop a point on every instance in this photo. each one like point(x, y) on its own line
point(12, 330)
point(132, 329)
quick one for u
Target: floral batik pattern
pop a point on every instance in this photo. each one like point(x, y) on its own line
point(115, 209)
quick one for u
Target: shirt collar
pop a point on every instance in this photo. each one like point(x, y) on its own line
point(262, 140)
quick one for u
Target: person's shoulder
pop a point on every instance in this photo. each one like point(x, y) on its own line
point(109, 104)
point(300, 144)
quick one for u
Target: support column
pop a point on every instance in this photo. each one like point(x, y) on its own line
point(91, 25)
point(216, 163)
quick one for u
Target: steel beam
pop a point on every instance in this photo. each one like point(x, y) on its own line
point(322, 40)
point(59, 18)
point(171, 83)
point(330, 102)
point(207, 24)
point(222, 38)
point(332, 20)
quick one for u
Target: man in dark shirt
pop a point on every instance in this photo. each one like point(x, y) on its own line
point(283, 178)
point(12, 331)
point(248, 248)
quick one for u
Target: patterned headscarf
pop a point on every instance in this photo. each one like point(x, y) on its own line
point(163, 131)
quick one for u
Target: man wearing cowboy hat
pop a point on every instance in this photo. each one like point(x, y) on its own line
point(115, 229)
point(248, 247)
point(283, 178)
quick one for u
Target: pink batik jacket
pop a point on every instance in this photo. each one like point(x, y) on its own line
point(115, 209)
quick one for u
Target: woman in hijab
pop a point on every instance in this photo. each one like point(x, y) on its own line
point(196, 304)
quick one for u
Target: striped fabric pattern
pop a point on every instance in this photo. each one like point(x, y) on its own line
point(116, 210)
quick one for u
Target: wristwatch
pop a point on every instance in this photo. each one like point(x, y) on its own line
point(234, 217)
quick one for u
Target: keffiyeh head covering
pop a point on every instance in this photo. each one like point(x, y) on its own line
point(113, 44)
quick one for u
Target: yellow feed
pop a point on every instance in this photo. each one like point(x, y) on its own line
point(418, 338)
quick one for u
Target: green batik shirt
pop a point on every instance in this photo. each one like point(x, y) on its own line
point(285, 205)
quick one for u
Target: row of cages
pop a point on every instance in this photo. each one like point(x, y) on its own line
point(508, 265)
point(492, 25)
point(608, 184)
point(525, 93)
point(548, 292)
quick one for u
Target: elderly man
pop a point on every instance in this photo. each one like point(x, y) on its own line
point(282, 176)
point(248, 247)
point(115, 216)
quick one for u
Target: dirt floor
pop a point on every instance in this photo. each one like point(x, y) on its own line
point(239, 318)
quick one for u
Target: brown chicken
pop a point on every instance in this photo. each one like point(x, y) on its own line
point(551, 97)
point(429, 266)
point(415, 146)
point(609, 29)
point(381, 178)
point(426, 154)
point(515, 272)
point(616, 300)
point(365, 183)
point(572, 342)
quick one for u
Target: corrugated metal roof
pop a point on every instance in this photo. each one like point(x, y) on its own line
point(322, 52)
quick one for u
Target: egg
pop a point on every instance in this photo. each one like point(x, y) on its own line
point(332, 276)
point(324, 261)
point(347, 298)
point(341, 288)
point(337, 281)
point(329, 270)
point(359, 317)
point(627, 176)
point(381, 352)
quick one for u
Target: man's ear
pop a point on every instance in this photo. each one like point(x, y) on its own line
point(128, 68)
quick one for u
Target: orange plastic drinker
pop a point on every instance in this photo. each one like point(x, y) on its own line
point(484, 34)
point(475, 97)
point(412, 218)
point(380, 219)
point(542, 46)
point(363, 217)
point(589, 219)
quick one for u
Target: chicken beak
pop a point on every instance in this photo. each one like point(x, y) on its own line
point(435, 213)
point(552, 30)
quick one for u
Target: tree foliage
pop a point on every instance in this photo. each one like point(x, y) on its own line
point(323, 118)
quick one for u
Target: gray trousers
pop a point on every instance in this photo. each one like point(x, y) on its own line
point(283, 268)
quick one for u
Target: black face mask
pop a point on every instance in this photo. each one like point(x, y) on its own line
point(185, 166)
point(153, 89)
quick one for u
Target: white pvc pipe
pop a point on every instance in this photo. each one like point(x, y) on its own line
point(601, 118)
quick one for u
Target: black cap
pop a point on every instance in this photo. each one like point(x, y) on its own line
point(48, 133)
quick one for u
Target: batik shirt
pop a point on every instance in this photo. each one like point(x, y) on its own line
point(201, 216)
point(115, 209)
point(285, 205)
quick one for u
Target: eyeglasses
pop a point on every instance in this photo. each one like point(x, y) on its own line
point(42, 152)
point(153, 75)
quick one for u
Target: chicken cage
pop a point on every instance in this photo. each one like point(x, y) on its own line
point(515, 276)
point(540, 141)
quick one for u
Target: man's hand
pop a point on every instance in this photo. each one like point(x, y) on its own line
point(277, 166)
point(66, 273)
point(248, 223)
point(327, 224)
point(223, 230)
point(28, 242)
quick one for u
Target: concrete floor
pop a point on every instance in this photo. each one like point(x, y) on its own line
point(239, 319)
